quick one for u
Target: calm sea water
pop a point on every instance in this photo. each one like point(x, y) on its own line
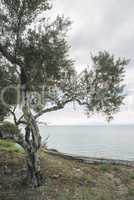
point(98, 141)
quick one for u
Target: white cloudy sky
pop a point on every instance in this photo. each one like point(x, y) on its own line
point(98, 25)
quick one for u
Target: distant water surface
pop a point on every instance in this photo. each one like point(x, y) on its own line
point(115, 141)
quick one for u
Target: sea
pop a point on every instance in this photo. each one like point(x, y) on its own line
point(111, 141)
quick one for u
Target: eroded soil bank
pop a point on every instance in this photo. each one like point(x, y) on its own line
point(64, 179)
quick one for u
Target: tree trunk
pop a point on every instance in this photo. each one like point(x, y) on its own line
point(33, 160)
point(32, 137)
point(33, 164)
point(33, 141)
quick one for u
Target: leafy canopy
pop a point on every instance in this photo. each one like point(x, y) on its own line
point(34, 51)
point(105, 83)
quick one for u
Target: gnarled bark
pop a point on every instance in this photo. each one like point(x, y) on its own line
point(33, 143)
point(32, 136)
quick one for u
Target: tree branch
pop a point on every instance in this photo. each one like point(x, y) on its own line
point(14, 116)
point(20, 118)
point(59, 106)
point(81, 103)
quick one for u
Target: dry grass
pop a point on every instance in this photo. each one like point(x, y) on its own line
point(64, 180)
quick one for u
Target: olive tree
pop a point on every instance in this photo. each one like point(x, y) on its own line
point(37, 75)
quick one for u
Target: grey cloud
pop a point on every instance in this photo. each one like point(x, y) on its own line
point(99, 25)
point(114, 28)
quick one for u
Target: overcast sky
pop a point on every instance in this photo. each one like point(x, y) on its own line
point(98, 25)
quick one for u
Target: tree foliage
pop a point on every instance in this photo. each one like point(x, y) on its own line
point(105, 84)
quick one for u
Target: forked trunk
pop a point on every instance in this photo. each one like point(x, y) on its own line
point(33, 140)
point(33, 143)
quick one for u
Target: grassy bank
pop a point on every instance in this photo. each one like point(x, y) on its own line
point(63, 179)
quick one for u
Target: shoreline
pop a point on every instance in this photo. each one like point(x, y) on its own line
point(89, 160)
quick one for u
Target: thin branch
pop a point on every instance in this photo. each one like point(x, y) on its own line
point(14, 108)
point(14, 116)
point(81, 103)
point(21, 118)
point(20, 121)
point(17, 122)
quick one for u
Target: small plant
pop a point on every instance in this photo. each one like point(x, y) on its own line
point(87, 180)
point(131, 191)
point(116, 168)
point(104, 167)
point(131, 175)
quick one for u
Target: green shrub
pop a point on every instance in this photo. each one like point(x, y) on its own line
point(131, 191)
point(104, 167)
point(9, 127)
point(9, 146)
point(131, 175)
